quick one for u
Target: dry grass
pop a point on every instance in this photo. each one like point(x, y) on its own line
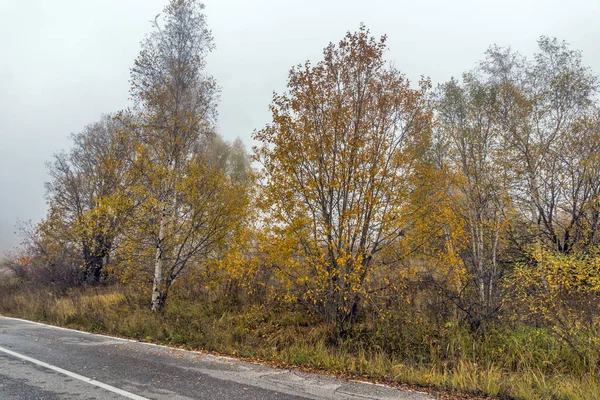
point(525, 364)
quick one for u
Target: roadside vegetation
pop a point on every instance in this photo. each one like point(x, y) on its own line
point(441, 236)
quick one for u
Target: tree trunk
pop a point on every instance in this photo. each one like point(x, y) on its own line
point(157, 286)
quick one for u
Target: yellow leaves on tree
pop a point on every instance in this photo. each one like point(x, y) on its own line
point(338, 160)
point(562, 293)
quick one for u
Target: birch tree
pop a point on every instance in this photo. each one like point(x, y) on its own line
point(547, 107)
point(480, 184)
point(187, 206)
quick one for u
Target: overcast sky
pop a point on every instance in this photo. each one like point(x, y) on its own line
point(65, 62)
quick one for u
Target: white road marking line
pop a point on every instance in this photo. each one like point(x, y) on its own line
point(113, 389)
point(200, 353)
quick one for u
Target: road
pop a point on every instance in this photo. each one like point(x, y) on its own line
point(43, 362)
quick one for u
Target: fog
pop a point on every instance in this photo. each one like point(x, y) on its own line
point(65, 62)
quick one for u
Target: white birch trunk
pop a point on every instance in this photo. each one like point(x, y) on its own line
point(157, 290)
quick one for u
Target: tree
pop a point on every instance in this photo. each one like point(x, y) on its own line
point(205, 209)
point(338, 159)
point(187, 205)
point(230, 158)
point(80, 180)
point(547, 112)
point(480, 184)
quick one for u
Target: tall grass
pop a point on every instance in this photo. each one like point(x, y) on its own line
point(504, 361)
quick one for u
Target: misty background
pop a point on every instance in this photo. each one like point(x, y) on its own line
point(63, 63)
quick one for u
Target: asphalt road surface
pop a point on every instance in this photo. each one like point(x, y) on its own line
point(44, 362)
